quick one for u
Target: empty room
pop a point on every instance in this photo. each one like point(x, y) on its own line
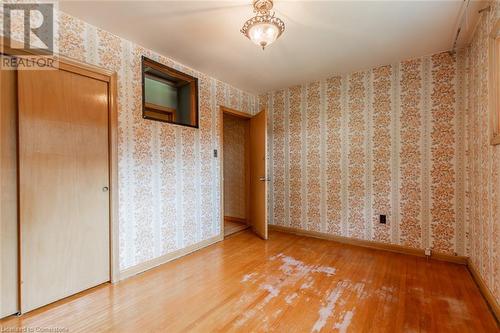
point(250, 166)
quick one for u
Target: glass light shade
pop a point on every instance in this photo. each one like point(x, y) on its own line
point(263, 34)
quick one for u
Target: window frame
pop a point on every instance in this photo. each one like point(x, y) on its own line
point(149, 109)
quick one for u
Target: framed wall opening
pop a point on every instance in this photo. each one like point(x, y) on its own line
point(235, 157)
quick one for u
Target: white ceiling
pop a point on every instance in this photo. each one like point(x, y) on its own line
point(321, 37)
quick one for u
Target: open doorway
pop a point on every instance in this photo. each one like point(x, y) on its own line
point(244, 182)
point(236, 154)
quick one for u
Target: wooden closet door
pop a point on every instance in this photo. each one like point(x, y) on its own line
point(64, 176)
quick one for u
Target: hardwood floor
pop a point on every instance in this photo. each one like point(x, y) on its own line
point(287, 284)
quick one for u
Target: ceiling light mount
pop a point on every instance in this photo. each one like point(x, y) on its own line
point(264, 28)
point(262, 6)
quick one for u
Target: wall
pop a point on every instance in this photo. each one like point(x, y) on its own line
point(169, 182)
point(235, 132)
point(484, 164)
point(388, 140)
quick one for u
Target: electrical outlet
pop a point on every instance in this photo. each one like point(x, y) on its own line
point(428, 252)
point(383, 219)
point(215, 153)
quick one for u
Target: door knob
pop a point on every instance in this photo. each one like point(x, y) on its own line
point(105, 189)
point(264, 179)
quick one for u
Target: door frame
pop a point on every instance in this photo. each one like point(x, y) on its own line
point(245, 116)
point(111, 78)
point(11, 138)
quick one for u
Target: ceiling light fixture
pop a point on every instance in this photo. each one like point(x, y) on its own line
point(264, 28)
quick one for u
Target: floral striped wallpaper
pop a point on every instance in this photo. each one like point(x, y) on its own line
point(169, 181)
point(484, 162)
point(408, 140)
point(388, 140)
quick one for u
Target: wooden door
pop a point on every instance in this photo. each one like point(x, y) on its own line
point(258, 176)
point(8, 195)
point(64, 182)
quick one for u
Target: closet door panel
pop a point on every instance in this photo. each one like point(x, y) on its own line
point(64, 176)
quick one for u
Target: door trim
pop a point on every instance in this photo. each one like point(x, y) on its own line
point(113, 177)
point(225, 110)
point(102, 74)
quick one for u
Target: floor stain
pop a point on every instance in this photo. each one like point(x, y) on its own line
point(327, 310)
point(346, 321)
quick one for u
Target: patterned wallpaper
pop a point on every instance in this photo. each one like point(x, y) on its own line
point(408, 140)
point(234, 166)
point(169, 182)
point(388, 140)
point(484, 162)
